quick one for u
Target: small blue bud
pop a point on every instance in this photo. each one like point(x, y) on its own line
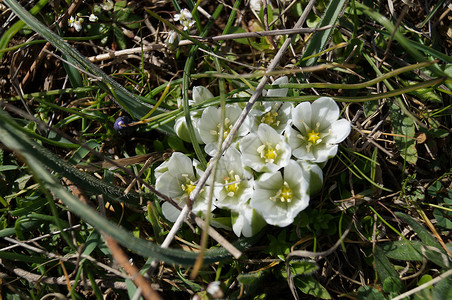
point(121, 125)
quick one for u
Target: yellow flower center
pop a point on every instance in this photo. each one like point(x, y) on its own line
point(226, 129)
point(313, 136)
point(189, 185)
point(232, 183)
point(268, 153)
point(270, 118)
point(284, 194)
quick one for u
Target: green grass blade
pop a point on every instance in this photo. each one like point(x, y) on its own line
point(320, 38)
point(128, 101)
point(403, 41)
point(6, 37)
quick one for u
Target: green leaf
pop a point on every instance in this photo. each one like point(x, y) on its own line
point(250, 278)
point(176, 144)
point(310, 286)
point(320, 38)
point(386, 271)
point(120, 38)
point(443, 218)
point(416, 250)
point(423, 234)
point(403, 250)
point(410, 46)
point(6, 37)
point(443, 289)
point(424, 279)
point(302, 267)
point(369, 293)
point(245, 41)
point(403, 125)
point(437, 256)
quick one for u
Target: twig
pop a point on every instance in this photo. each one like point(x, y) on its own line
point(169, 237)
point(122, 259)
point(40, 237)
point(35, 278)
point(118, 254)
point(223, 242)
point(66, 258)
point(424, 286)
point(225, 37)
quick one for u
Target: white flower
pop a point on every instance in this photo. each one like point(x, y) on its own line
point(266, 150)
point(246, 221)
point(211, 122)
point(200, 94)
point(185, 18)
point(256, 4)
point(280, 196)
point(275, 114)
point(233, 184)
point(177, 179)
point(76, 23)
point(107, 5)
point(318, 130)
point(214, 289)
point(93, 18)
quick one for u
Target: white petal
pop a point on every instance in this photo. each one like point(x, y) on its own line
point(179, 164)
point(237, 225)
point(315, 175)
point(324, 110)
point(279, 92)
point(268, 134)
point(161, 169)
point(248, 146)
point(322, 154)
point(302, 153)
point(340, 129)
point(209, 120)
point(293, 175)
point(169, 185)
point(293, 139)
point(211, 148)
point(201, 94)
point(170, 212)
point(180, 127)
point(302, 114)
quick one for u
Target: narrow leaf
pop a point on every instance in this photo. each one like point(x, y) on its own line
point(423, 234)
point(320, 38)
point(386, 271)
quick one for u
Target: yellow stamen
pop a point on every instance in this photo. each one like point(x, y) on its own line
point(230, 187)
point(313, 136)
point(284, 194)
point(270, 118)
point(189, 185)
point(268, 152)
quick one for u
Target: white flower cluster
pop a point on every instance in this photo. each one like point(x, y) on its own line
point(78, 20)
point(272, 167)
point(185, 18)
